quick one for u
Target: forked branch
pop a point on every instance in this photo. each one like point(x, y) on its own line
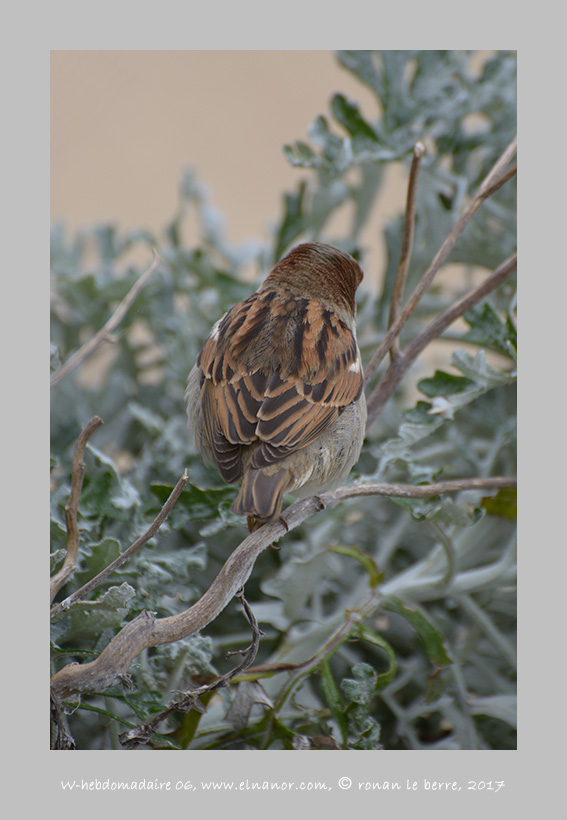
point(190, 700)
point(147, 630)
point(492, 182)
point(123, 557)
point(403, 361)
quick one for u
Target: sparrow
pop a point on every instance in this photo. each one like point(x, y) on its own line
point(275, 399)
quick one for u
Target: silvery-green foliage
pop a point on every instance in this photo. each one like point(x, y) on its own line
point(430, 663)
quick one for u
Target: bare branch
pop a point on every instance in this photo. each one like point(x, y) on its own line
point(457, 485)
point(353, 617)
point(500, 182)
point(146, 630)
point(77, 474)
point(143, 732)
point(490, 184)
point(143, 539)
point(399, 367)
point(407, 244)
point(63, 740)
point(105, 333)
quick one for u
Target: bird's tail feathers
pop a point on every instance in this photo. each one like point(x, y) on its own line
point(261, 495)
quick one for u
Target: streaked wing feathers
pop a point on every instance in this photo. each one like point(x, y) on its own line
point(280, 383)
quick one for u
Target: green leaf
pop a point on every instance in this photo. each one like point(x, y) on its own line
point(332, 697)
point(432, 640)
point(152, 422)
point(478, 369)
point(478, 378)
point(504, 504)
point(87, 619)
point(443, 510)
point(330, 143)
point(300, 155)
point(141, 702)
point(375, 575)
point(502, 707)
point(362, 689)
point(189, 725)
point(88, 707)
point(348, 115)
point(421, 415)
point(105, 491)
point(364, 196)
point(294, 221)
point(444, 384)
point(56, 558)
point(420, 424)
point(487, 328)
point(95, 557)
point(158, 741)
point(201, 503)
point(366, 66)
point(365, 734)
point(369, 635)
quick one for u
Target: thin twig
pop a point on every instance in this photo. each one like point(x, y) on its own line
point(353, 617)
point(139, 542)
point(144, 731)
point(500, 182)
point(490, 183)
point(399, 367)
point(105, 333)
point(77, 474)
point(63, 740)
point(147, 630)
point(407, 245)
point(461, 306)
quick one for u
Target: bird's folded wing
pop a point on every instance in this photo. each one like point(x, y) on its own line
point(287, 399)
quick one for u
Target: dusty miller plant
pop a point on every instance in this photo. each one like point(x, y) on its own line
point(388, 622)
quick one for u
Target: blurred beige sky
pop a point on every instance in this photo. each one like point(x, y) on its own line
point(124, 124)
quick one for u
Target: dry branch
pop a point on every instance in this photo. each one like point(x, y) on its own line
point(139, 542)
point(407, 244)
point(105, 333)
point(403, 361)
point(144, 731)
point(63, 740)
point(494, 179)
point(77, 474)
point(111, 666)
